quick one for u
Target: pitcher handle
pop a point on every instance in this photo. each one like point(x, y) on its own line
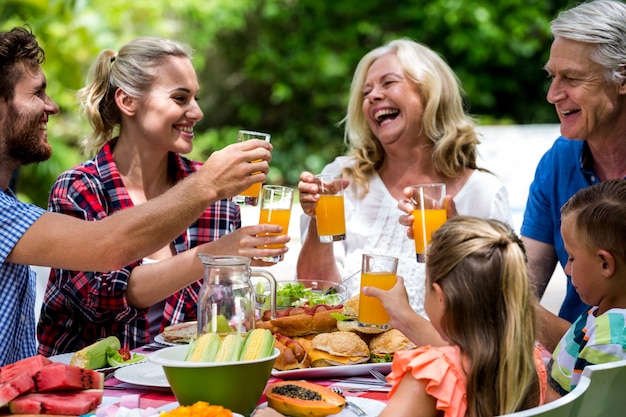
point(256, 272)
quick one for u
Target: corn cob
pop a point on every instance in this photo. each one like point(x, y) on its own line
point(259, 344)
point(204, 348)
point(94, 356)
point(230, 348)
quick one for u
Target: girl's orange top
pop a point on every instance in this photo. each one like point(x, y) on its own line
point(441, 369)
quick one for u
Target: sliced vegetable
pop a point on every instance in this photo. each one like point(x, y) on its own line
point(94, 356)
point(259, 344)
point(117, 357)
point(125, 353)
point(204, 348)
point(229, 349)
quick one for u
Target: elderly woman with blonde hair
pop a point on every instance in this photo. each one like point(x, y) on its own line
point(405, 125)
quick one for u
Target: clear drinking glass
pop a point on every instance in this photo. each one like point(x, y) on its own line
point(250, 196)
point(330, 213)
point(376, 271)
point(276, 201)
point(429, 214)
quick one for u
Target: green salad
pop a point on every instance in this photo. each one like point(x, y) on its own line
point(296, 295)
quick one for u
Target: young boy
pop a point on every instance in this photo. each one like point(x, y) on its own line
point(594, 232)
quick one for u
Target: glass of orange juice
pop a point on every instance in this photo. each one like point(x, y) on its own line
point(376, 271)
point(329, 213)
point(250, 196)
point(276, 203)
point(429, 214)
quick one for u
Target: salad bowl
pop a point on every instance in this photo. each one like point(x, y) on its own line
point(308, 292)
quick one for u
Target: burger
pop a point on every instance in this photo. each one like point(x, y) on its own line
point(336, 348)
point(383, 346)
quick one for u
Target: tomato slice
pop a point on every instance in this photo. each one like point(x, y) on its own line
point(126, 355)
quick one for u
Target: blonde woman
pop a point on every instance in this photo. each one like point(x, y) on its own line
point(405, 125)
point(142, 105)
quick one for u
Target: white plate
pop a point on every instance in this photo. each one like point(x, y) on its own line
point(144, 373)
point(159, 339)
point(67, 357)
point(372, 407)
point(339, 371)
point(62, 358)
point(187, 324)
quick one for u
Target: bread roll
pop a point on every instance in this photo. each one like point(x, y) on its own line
point(390, 342)
point(321, 321)
point(288, 358)
point(351, 307)
point(338, 348)
point(341, 344)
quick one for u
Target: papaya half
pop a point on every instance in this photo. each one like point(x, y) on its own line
point(303, 399)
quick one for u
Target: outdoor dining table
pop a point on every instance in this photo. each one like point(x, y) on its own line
point(162, 398)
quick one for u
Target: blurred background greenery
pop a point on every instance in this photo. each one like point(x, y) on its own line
point(285, 66)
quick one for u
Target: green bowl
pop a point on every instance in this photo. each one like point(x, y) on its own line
point(237, 386)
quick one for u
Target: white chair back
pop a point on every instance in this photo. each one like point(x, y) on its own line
point(563, 407)
point(606, 395)
point(601, 392)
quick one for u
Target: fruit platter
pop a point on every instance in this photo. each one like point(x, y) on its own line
point(37, 385)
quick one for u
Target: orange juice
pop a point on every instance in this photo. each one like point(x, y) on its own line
point(253, 191)
point(275, 216)
point(371, 310)
point(433, 220)
point(330, 215)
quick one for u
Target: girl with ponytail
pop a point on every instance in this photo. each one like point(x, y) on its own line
point(479, 300)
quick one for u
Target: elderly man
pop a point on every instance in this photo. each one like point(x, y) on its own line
point(588, 89)
point(32, 236)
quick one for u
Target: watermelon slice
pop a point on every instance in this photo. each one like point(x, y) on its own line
point(60, 376)
point(63, 402)
point(29, 365)
point(18, 385)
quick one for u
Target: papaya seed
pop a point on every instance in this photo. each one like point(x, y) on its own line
point(294, 391)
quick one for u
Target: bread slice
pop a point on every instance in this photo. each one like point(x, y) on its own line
point(181, 333)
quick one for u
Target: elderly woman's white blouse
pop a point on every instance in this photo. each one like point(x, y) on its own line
point(372, 226)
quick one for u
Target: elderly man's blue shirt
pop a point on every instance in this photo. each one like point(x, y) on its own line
point(562, 171)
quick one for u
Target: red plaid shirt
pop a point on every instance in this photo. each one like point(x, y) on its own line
point(81, 307)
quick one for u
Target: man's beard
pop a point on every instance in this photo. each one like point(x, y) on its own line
point(22, 137)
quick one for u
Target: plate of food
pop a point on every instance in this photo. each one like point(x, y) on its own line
point(339, 354)
point(328, 343)
point(178, 334)
point(103, 355)
point(331, 372)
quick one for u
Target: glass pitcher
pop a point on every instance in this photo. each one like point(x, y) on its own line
point(226, 301)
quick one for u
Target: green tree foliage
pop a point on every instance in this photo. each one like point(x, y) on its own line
point(289, 70)
point(285, 66)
